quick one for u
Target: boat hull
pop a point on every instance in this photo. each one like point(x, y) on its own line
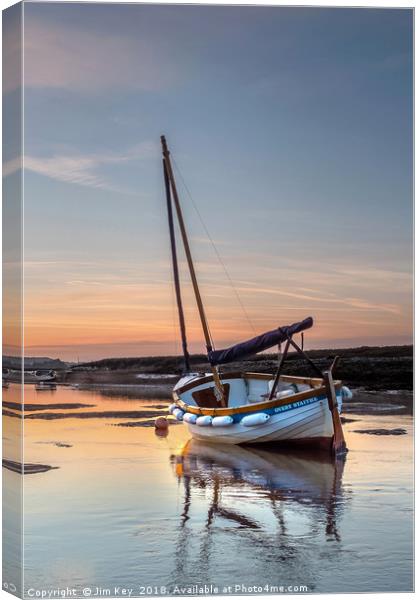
point(302, 417)
point(311, 424)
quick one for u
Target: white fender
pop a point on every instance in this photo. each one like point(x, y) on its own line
point(171, 408)
point(190, 418)
point(222, 421)
point(178, 414)
point(204, 421)
point(346, 393)
point(255, 419)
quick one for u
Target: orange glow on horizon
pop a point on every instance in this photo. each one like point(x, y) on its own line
point(129, 313)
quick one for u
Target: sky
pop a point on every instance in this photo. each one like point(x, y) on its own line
point(291, 131)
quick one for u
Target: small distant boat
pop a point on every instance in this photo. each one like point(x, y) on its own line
point(44, 374)
point(34, 376)
point(250, 408)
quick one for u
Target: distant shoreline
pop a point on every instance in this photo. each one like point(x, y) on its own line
point(370, 367)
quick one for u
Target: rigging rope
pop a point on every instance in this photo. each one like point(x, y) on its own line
point(215, 250)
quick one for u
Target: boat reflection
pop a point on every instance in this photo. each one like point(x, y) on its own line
point(277, 477)
point(274, 504)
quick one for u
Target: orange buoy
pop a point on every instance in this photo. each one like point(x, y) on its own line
point(161, 423)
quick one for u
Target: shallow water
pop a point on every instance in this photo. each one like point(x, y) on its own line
point(127, 508)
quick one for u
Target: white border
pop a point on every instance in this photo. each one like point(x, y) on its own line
point(390, 4)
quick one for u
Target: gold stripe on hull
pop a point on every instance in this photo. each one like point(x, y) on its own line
point(315, 392)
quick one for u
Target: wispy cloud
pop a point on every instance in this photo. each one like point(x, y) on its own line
point(356, 303)
point(81, 169)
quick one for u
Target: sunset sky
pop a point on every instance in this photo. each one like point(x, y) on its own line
point(292, 128)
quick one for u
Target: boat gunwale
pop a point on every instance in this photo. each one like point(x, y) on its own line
point(318, 390)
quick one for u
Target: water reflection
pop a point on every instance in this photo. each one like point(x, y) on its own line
point(275, 497)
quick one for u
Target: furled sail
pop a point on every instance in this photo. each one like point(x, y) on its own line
point(258, 344)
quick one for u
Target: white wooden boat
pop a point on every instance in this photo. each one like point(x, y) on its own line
point(249, 408)
point(299, 413)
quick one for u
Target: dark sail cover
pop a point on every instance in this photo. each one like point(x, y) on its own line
point(258, 344)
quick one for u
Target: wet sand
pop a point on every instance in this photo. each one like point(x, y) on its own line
point(397, 431)
point(33, 407)
point(49, 416)
point(26, 469)
point(150, 423)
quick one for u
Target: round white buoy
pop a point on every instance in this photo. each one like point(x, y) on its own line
point(222, 421)
point(204, 421)
point(171, 408)
point(190, 418)
point(178, 414)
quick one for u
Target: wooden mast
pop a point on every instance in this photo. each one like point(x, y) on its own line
point(168, 168)
point(176, 272)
